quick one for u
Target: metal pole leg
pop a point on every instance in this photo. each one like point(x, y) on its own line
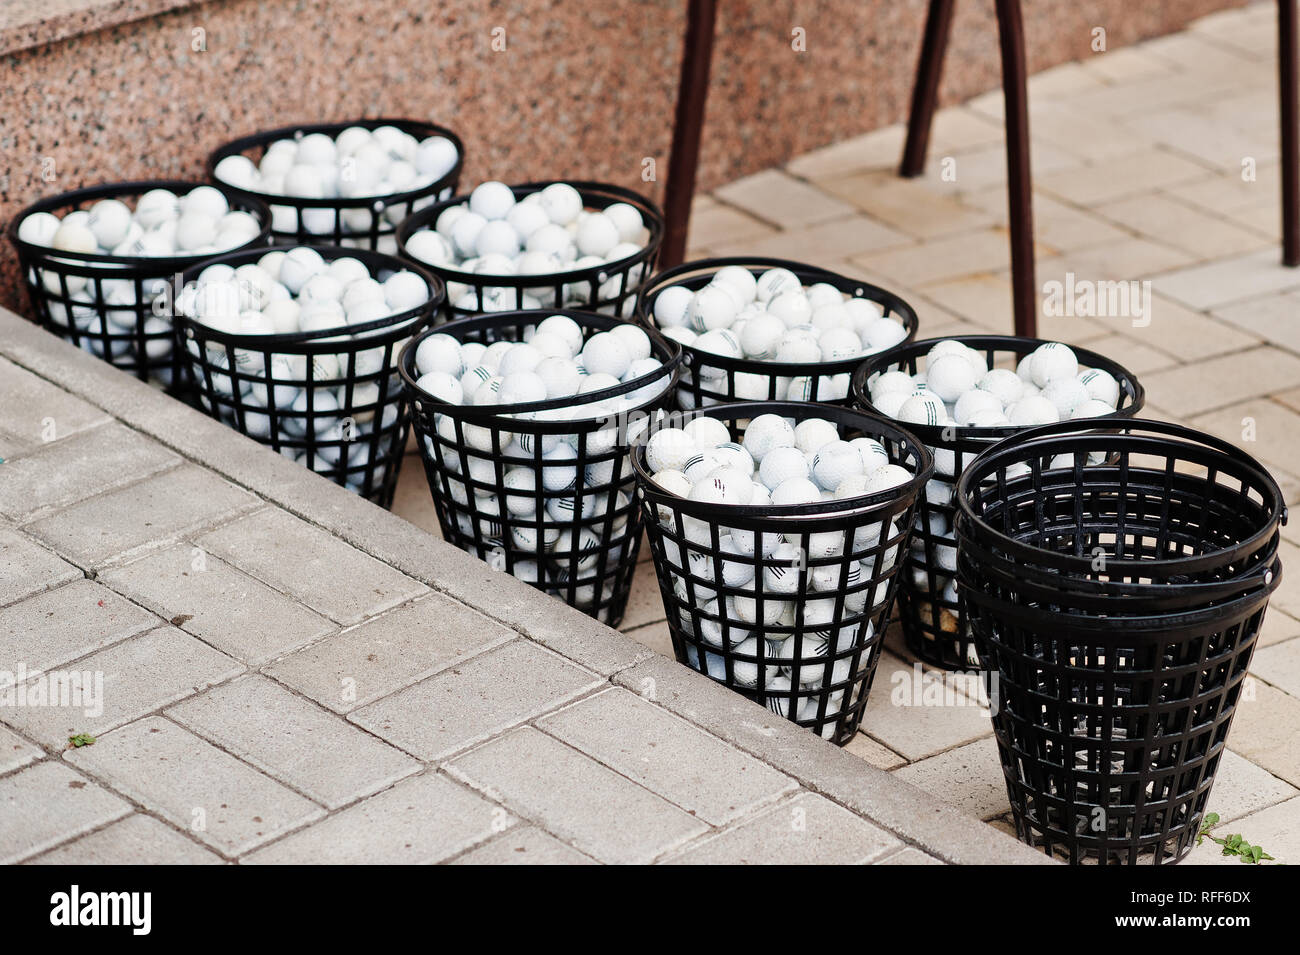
point(688, 124)
point(1286, 70)
point(1024, 298)
point(925, 93)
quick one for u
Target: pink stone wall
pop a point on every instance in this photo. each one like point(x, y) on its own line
point(582, 89)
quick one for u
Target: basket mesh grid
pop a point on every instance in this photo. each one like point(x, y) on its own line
point(115, 306)
point(548, 501)
point(931, 611)
point(806, 642)
point(333, 403)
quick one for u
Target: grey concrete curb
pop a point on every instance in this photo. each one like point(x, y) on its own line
point(909, 812)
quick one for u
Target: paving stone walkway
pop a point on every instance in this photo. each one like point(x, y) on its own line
point(292, 675)
point(1158, 163)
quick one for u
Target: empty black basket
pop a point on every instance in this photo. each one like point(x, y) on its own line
point(933, 618)
point(331, 399)
point(575, 532)
point(1112, 711)
point(106, 303)
point(810, 653)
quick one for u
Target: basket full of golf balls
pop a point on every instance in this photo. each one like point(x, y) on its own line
point(580, 245)
point(778, 530)
point(96, 262)
point(758, 329)
point(1116, 579)
point(348, 184)
point(523, 420)
point(959, 396)
point(297, 347)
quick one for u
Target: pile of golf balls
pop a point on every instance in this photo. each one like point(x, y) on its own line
point(778, 462)
point(771, 316)
point(550, 512)
point(298, 291)
point(359, 164)
point(544, 233)
point(956, 387)
point(552, 362)
point(161, 224)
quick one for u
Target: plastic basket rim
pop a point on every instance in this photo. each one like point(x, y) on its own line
point(671, 366)
point(127, 263)
point(780, 369)
point(238, 145)
point(1048, 582)
point(1027, 437)
point(952, 434)
point(828, 509)
point(422, 218)
point(1037, 560)
point(325, 337)
point(1174, 596)
point(1076, 628)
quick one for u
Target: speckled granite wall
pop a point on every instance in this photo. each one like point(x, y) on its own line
point(582, 89)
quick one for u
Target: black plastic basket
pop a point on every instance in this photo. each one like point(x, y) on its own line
point(609, 288)
point(712, 379)
point(1110, 729)
point(933, 618)
point(380, 215)
point(577, 540)
point(106, 303)
point(844, 572)
point(1110, 710)
point(273, 388)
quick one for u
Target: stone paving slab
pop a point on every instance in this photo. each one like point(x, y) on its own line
point(1242, 788)
point(26, 568)
point(196, 787)
point(387, 653)
point(314, 567)
point(37, 412)
point(1279, 665)
point(524, 845)
point(939, 830)
point(1264, 731)
point(1274, 828)
point(223, 606)
point(136, 840)
point(176, 665)
point(78, 467)
point(918, 731)
point(48, 803)
point(287, 737)
point(773, 196)
point(667, 755)
point(807, 830)
point(15, 751)
point(910, 856)
point(152, 512)
point(421, 820)
point(58, 626)
point(471, 701)
point(570, 795)
point(970, 777)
